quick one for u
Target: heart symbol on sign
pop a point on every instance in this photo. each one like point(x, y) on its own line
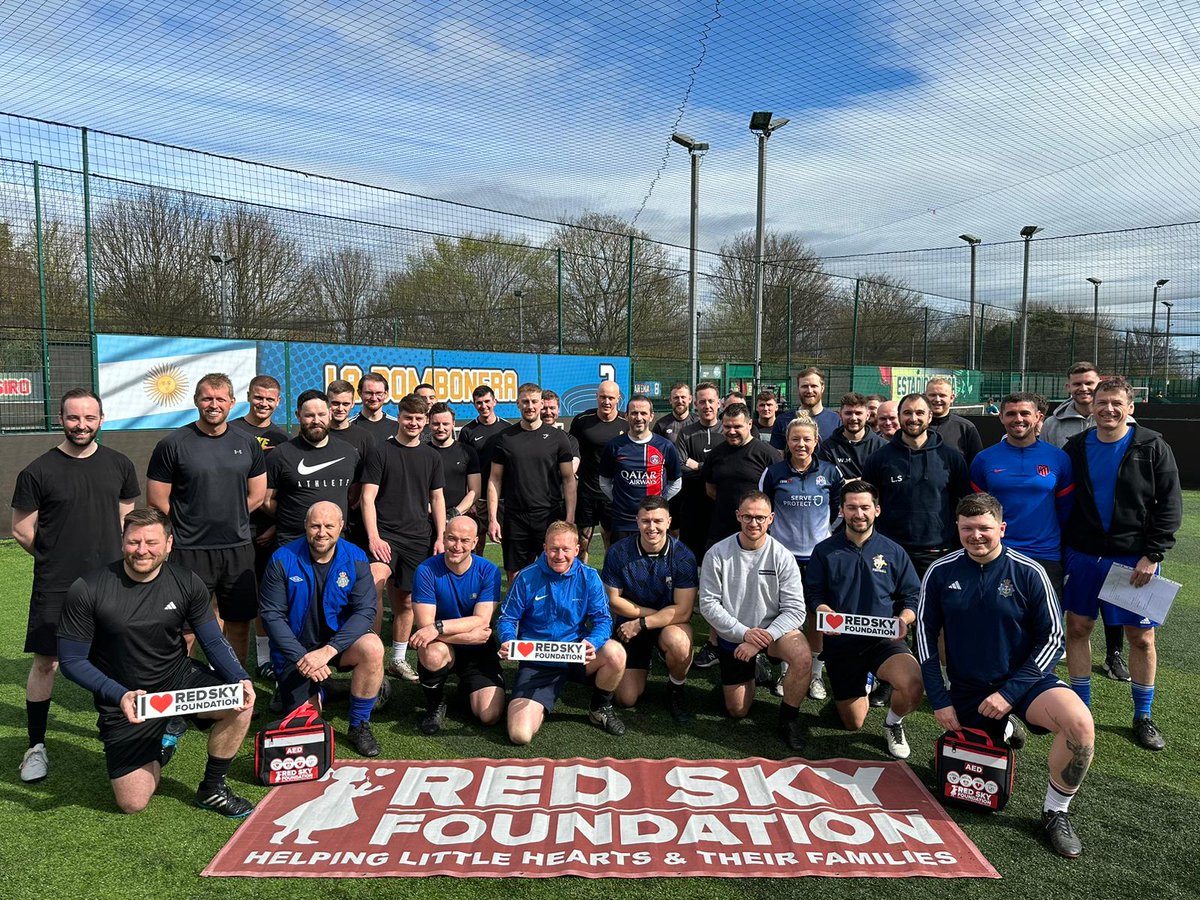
point(380, 773)
point(525, 648)
point(834, 620)
point(161, 702)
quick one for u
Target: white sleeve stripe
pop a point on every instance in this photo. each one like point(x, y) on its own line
point(1054, 644)
point(922, 641)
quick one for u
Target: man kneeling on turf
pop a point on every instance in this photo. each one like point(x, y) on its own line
point(751, 595)
point(861, 572)
point(1002, 625)
point(123, 625)
point(454, 594)
point(651, 580)
point(318, 606)
point(560, 599)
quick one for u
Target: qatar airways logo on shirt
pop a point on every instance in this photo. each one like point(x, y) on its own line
point(651, 479)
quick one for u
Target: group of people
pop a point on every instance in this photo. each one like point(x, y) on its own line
point(757, 520)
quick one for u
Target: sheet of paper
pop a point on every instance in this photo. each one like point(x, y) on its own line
point(1153, 601)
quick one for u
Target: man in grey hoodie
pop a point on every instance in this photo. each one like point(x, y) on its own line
point(751, 595)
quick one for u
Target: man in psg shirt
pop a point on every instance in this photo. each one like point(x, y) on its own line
point(637, 465)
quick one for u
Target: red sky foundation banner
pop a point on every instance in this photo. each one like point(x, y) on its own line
point(609, 818)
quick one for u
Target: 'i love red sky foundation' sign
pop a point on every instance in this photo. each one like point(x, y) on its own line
point(604, 818)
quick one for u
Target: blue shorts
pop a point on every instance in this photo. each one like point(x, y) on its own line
point(1084, 576)
point(969, 716)
point(543, 683)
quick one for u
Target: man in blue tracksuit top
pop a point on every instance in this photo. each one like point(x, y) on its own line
point(1002, 626)
point(1033, 481)
point(318, 606)
point(861, 572)
point(920, 480)
point(558, 598)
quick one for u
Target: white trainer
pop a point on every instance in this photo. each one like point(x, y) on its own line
point(36, 765)
point(897, 743)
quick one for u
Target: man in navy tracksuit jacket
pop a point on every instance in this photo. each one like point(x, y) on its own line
point(920, 481)
point(861, 572)
point(318, 606)
point(558, 598)
point(999, 617)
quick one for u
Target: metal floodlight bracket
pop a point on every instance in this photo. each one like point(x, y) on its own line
point(1030, 230)
point(1095, 281)
point(970, 239)
point(760, 121)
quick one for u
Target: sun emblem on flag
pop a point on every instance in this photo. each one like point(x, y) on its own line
point(165, 385)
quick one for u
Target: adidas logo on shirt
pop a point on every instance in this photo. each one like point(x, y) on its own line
point(170, 605)
point(954, 586)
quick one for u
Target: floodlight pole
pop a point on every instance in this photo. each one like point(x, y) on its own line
point(1096, 282)
point(762, 124)
point(974, 242)
point(1153, 320)
point(1027, 233)
point(1167, 349)
point(696, 149)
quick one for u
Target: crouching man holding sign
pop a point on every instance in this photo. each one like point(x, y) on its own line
point(561, 600)
point(860, 573)
point(123, 625)
point(1003, 632)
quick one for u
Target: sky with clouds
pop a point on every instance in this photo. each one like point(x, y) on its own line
point(910, 122)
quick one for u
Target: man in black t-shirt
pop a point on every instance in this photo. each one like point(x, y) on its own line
point(482, 433)
point(672, 424)
point(593, 430)
point(733, 468)
point(373, 389)
point(308, 468)
point(460, 462)
point(68, 505)
point(122, 635)
point(341, 402)
point(533, 471)
point(550, 412)
point(692, 508)
point(263, 397)
point(403, 484)
point(208, 478)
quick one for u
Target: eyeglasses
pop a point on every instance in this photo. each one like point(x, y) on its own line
point(757, 520)
point(374, 393)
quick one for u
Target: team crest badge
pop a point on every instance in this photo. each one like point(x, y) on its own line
point(343, 580)
point(1044, 471)
point(879, 563)
point(821, 480)
point(1006, 588)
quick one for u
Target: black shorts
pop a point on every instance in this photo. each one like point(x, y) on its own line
point(967, 708)
point(734, 671)
point(406, 556)
point(622, 534)
point(1054, 570)
point(848, 666)
point(543, 683)
point(128, 747)
point(229, 574)
point(592, 508)
point(639, 651)
point(477, 666)
point(923, 559)
point(41, 633)
point(295, 688)
point(524, 537)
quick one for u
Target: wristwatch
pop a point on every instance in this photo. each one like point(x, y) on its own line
point(642, 622)
point(440, 626)
point(1154, 557)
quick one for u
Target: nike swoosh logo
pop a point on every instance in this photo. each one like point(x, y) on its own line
point(308, 470)
point(478, 437)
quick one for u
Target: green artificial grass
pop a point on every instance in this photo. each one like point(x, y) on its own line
point(1136, 811)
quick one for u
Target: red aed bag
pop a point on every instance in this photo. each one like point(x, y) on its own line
point(973, 771)
point(298, 747)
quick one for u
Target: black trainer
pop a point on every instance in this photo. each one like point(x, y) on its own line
point(266, 671)
point(385, 693)
point(1019, 736)
point(794, 734)
point(881, 695)
point(606, 717)
point(763, 677)
point(706, 657)
point(362, 739)
point(1060, 834)
point(432, 723)
point(1146, 733)
point(1115, 668)
point(677, 704)
point(223, 800)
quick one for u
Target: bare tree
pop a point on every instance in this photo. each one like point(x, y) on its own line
point(462, 292)
point(596, 282)
point(347, 284)
point(787, 263)
point(150, 256)
point(267, 283)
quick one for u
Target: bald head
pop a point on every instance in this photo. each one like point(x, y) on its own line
point(608, 399)
point(323, 508)
point(887, 418)
point(322, 528)
point(461, 536)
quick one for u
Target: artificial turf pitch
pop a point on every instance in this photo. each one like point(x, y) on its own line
point(1137, 812)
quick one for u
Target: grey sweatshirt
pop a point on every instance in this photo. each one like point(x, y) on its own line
point(744, 589)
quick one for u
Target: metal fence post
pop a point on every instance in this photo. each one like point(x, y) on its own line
point(41, 268)
point(925, 345)
point(854, 332)
point(788, 372)
point(87, 259)
point(629, 306)
point(559, 294)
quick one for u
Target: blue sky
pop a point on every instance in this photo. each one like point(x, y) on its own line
point(911, 123)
